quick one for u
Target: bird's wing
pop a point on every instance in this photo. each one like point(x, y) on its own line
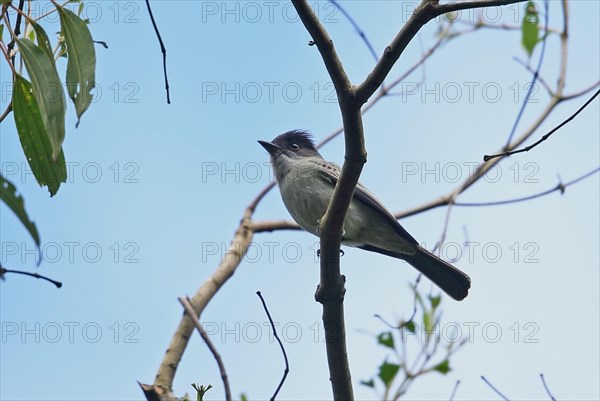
point(331, 173)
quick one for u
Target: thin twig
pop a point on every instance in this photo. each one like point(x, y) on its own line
point(542, 139)
point(51, 11)
point(546, 387)
point(440, 243)
point(579, 93)
point(494, 388)
point(187, 305)
point(559, 187)
point(536, 73)
point(425, 12)
point(454, 391)
point(58, 284)
point(207, 290)
point(287, 366)
point(162, 49)
point(504, 27)
point(6, 112)
point(17, 31)
point(359, 31)
point(539, 78)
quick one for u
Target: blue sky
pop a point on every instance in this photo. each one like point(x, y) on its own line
point(156, 191)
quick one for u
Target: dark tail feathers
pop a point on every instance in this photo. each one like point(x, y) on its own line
point(454, 282)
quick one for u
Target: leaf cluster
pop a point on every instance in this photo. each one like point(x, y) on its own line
point(39, 104)
point(397, 372)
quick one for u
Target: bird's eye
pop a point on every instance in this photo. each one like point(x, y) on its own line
point(295, 147)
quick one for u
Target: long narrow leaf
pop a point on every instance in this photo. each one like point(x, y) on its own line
point(15, 202)
point(42, 39)
point(48, 92)
point(34, 138)
point(81, 60)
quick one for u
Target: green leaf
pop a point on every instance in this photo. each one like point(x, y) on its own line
point(243, 397)
point(387, 372)
point(530, 29)
point(48, 92)
point(34, 138)
point(1, 31)
point(201, 390)
point(369, 383)
point(81, 60)
point(428, 322)
point(443, 367)
point(386, 339)
point(410, 326)
point(42, 39)
point(16, 203)
point(435, 301)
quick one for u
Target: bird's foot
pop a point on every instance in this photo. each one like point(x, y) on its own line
point(342, 253)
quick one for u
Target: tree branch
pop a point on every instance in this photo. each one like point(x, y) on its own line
point(187, 305)
point(536, 73)
point(237, 249)
point(546, 136)
point(163, 50)
point(3, 271)
point(425, 12)
point(330, 292)
point(285, 358)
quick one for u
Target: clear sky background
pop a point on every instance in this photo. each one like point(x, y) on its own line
point(156, 191)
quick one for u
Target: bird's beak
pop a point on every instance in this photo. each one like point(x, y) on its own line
point(270, 147)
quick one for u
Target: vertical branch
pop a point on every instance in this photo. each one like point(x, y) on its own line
point(331, 288)
point(330, 292)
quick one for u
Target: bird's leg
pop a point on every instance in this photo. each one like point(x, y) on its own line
point(318, 231)
point(342, 253)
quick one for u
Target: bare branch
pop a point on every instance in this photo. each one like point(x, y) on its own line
point(237, 249)
point(359, 31)
point(325, 45)
point(560, 187)
point(426, 11)
point(6, 112)
point(162, 49)
point(542, 139)
point(466, 5)
point(454, 390)
point(17, 30)
point(536, 73)
point(287, 365)
point(186, 303)
point(494, 388)
point(330, 292)
point(3, 271)
point(542, 81)
point(580, 93)
point(546, 387)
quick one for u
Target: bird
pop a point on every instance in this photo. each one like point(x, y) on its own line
point(306, 182)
